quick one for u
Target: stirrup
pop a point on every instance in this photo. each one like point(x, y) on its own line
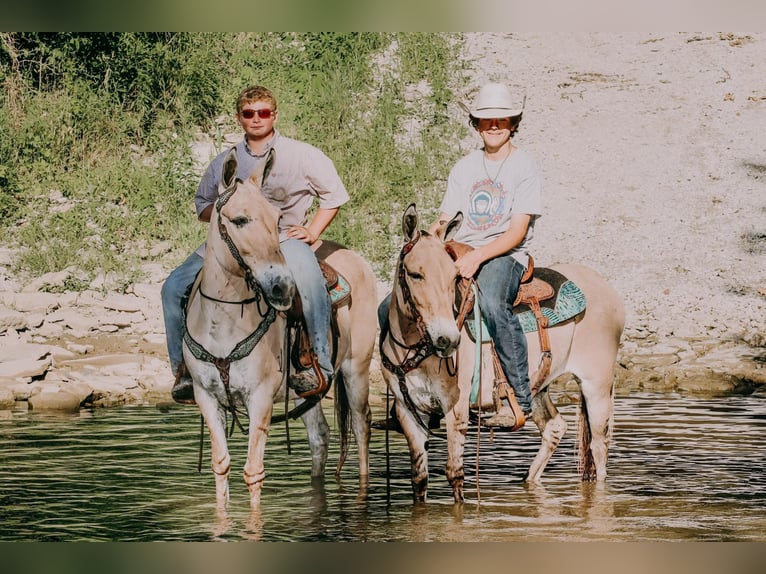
point(508, 413)
point(505, 417)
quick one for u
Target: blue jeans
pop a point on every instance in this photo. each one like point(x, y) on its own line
point(312, 289)
point(498, 280)
point(308, 278)
point(173, 290)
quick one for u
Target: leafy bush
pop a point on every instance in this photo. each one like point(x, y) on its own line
point(95, 132)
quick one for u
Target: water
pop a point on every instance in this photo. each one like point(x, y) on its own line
point(680, 468)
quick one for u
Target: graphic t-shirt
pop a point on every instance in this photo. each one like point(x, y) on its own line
point(488, 192)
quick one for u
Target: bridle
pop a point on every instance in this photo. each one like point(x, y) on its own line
point(244, 347)
point(416, 353)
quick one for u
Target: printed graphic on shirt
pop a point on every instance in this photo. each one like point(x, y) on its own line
point(487, 205)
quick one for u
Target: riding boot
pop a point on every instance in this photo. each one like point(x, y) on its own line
point(508, 413)
point(183, 388)
point(307, 383)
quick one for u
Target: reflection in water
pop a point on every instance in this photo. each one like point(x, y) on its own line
point(680, 469)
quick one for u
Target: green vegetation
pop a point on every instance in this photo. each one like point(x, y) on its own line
point(96, 167)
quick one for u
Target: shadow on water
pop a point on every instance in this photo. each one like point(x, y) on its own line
point(680, 468)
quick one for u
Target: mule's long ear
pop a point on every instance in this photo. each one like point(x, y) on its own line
point(229, 170)
point(410, 223)
point(452, 226)
point(268, 164)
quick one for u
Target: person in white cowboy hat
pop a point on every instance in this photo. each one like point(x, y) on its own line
point(501, 232)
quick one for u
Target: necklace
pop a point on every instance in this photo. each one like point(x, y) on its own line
point(484, 161)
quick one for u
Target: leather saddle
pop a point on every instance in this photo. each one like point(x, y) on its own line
point(301, 352)
point(532, 288)
point(532, 291)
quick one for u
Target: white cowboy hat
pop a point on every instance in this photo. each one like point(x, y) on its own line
point(494, 101)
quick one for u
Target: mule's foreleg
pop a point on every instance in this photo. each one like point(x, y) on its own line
point(254, 473)
point(456, 421)
point(219, 452)
point(552, 428)
point(417, 439)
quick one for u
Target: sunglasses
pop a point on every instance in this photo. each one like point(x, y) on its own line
point(263, 113)
point(502, 123)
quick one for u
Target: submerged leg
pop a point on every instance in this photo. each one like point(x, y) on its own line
point(319, 437)
point(418, 443)
point(456, 421)
point(356, 382)
point(552, 428)
point(220, 459)
point(596, 411)
point(259, 410)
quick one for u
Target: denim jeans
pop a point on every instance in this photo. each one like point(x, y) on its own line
point(308, 278)
point(173, 290)
point(312, 289)
point(498, 280)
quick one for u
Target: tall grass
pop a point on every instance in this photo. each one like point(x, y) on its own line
point(96, 168)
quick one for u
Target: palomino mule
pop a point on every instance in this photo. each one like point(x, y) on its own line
point(234, 344)
point(423, 336)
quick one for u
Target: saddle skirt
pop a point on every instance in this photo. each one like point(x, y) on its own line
point(560, 300)
point(339, 290)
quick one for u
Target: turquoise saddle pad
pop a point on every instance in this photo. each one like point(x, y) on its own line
point(340, 291)
point(568, 302)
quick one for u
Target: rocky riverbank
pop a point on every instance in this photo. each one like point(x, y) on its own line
point(79, 350)
point(652, 150)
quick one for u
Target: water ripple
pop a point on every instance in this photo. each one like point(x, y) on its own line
point(680, 469)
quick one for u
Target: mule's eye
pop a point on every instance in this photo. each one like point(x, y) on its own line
point(240, 221)
point(416, 276)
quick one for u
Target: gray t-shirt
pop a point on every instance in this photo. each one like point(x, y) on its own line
point(301, 173)
point(488, 192)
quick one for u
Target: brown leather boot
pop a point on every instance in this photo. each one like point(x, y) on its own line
point(183, 388)
point(508, 412)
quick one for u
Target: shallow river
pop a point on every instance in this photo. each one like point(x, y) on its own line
point(680, 468)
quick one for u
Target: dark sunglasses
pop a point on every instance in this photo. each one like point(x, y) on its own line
point(263, 113)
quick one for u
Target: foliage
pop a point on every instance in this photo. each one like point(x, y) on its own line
point(96, 167)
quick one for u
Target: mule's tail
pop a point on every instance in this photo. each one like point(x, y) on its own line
point(343, 416)
point(586, 465)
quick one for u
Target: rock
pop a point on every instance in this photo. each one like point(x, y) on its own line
point(79, 349)
point(154, 338)
point(55, 279)
point(10, 319)
point(42, 303)
point(24, 368)
point(23, 351)
point(59, 400)
point(113, 301)
point(7, 398)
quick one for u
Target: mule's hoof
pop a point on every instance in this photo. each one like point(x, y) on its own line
point(183, 391)
point(505, 419)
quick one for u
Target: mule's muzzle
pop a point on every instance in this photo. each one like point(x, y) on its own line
point(445, 338)
point(279, 290)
